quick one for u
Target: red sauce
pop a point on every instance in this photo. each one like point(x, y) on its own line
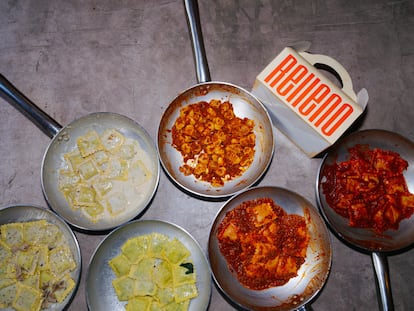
point(216, 145)
point(262, 244)
point(369, 189)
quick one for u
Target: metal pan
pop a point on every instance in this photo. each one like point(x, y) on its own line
point(365, 240)
point(64, 141)
point(100, 294)
point(25, 213)
point(244, 104)
point(299, 291)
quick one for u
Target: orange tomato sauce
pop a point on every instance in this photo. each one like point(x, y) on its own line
point(216, 145)
point(262, 244)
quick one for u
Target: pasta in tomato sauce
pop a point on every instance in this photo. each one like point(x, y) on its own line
point(216, 145)
point(369, 189)
point(262, 244)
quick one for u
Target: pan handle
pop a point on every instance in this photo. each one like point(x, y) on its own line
point(17, 99)
point(383, 282)
point(194, 26)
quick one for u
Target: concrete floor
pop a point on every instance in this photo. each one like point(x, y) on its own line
point(75, 57)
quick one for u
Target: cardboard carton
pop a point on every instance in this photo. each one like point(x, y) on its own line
point(304, 104)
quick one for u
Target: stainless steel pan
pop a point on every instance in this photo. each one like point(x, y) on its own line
point(244, 104)
point(64, 140)
point(25, 213)
point(100, 294)
point(365, 240)
point(299, 291)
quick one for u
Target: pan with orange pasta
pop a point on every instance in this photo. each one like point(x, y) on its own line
point(216, 145)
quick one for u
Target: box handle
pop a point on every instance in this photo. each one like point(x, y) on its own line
point(347, 86)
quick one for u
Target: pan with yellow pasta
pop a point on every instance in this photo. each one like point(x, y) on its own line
point(40, 260)
point(148, 265)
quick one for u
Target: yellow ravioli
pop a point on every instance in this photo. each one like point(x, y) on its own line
point(120, 265)
point(154, 268)
point(66, 287)
point(12, 234)
point(89, 144)
point(61, 260)
point(112, 140)
point(139, 303)
point(27, 299)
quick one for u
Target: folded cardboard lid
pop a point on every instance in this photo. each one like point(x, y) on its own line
point(304, 104)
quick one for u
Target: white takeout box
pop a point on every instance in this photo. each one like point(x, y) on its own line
point(304, 104)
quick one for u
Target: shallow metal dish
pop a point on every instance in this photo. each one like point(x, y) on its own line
point(311, 276)
point(100, 294)
point(364, 239)
point(25, 213)
point(65, 141)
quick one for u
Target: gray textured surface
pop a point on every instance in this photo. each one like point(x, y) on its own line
point(133, 57)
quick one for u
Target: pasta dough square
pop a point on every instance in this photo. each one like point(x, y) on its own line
point(84, 196)
point(166, 295)
point(89, 144)
point(93, 211)
point(102, 187)
point(139, 173)
point(116, 203)
point(7, 295)
point(67, 284)
point(5, 252)
point(163, 275)
point(174, 306)
point(100, 157)
point(120, 265)
point(176, 252)
point(88, 170)
point(185, 292)
point(32, 280)
point(117, 169)
point(12, 234)
point(43, 233)
point(144, 269)
point(67, 180)
point(181, 276)
point(74, 159)
point(127, 151)
point(158, 242)
point(27, 299)
point(124, 287)
point(26, 260)
point(145, 287)
point(112, 140)
point(61, 260)
point(136, 248)
point(139, 303)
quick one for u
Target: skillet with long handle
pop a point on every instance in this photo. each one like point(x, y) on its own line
point(365, 239)
point(64, 141)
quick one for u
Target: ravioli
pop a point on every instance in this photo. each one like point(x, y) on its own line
point(105, 174)
point(35, 266)
point(154, 272)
